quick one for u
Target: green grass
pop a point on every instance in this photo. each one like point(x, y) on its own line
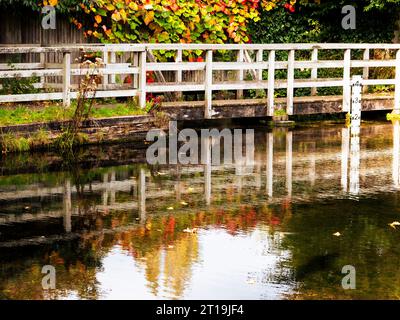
point(23, 114)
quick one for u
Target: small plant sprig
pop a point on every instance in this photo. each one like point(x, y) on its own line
point(87, 88)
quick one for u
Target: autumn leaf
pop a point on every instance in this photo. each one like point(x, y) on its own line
point(53, 3)
point(110, 7)
point(116, 16)
point(98, 18)
point(133, 6)
point(149, 17)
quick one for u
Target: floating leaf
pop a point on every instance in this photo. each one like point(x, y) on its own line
point(394, 224)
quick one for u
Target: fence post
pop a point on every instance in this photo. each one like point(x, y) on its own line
point(271, 83)
point(259, 58)
point(66, 79)
point(396, 108)
point(314, 71)
point(42, 58)
point(142, 79)
point(105, 62)
point(208, 85)
point(240, 76)
point(365, 69)
point(113, 59)
point(346, 81)
point(178, 75)
point(290, 83)
point(356, 88)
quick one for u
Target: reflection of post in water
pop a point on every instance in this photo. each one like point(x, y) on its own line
point(67, 205)
point(289, 161)
point(142, 195)
point(345, 157)
point(396, 153)
point(112, 188)
point(270, 163)
point(207, 169)
point(104, 195)
point(354, 164)
point(178, 183)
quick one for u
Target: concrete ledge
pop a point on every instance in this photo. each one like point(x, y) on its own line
point(194, 110)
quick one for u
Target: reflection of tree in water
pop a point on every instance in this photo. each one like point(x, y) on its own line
point(76, 265)
point(366, 243)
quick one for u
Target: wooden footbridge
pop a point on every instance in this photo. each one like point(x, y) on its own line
point(222, 68)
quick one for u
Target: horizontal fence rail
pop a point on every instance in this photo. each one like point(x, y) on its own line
point(253, 66)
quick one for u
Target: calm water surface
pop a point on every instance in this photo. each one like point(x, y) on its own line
point(117, 228)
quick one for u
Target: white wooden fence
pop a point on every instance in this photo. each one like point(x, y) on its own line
point(139, 64)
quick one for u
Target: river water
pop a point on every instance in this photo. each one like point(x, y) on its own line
point(280, 227)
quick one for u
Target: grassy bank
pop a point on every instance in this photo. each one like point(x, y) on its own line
point(24, 114)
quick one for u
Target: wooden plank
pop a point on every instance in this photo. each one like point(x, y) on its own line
point(108, 70)
point(397, 88)
point(21, 66)
point(66, 73)
point(178, 75)
point(174, 87)
point(240, 66)
point(314, 71)
point(290, 83)
point(31, 97)
point(240, 73)
point(366, 69)
point(259, 60)
point(271, 83)
point(208, 85)
point(30, 73)
point(346, 81)
point(142, 79)
point(175, 66)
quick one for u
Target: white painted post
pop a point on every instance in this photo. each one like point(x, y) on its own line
point(66, 79)
point(260, 59)
point(113, 59)
point(354, 185)
point(135, 63)
point(365, 69)
point(290, 83)
point(178, 75)
point(396, 108)
point(142, 79)
point(356, 105)
point(43, 63)
point(208, 85)
point(314, 71)
point(240, 76)
point(271, 83)
point(346, 81)
point(105, 62)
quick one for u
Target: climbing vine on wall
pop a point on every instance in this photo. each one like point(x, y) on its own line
point(172, 21)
